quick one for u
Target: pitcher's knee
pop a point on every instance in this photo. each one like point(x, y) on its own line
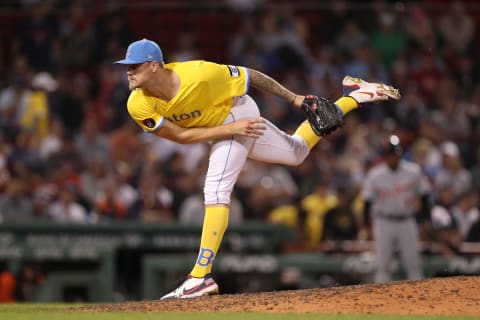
point(297, 159)
point(219, 197)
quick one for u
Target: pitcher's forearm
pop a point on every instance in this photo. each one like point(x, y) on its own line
point(196, 135)
point(252, 128)
point(261, 81)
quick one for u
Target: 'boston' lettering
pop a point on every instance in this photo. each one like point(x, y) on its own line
point(185, 116)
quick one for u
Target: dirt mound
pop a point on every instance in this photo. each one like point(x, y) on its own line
point(439, 296)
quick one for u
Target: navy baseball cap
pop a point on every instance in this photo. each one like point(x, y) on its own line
point(142, 51)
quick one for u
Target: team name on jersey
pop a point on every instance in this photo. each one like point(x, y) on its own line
point(184, 116)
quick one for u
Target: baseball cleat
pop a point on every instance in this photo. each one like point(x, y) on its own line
point(364, 92)
point(193, 287)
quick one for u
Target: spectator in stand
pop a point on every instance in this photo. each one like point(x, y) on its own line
point(427, 156)
point(93, 176)
point(91, 143)
point(78, 27)
point(124, 177)
point(42, 197)
point(340, 222)
point(325, 73)
point(125, 143)
point(106, 109)
point(350, 38)
point(284, 35)
point(187, 48)
point(154, 201)
point(456, 27)
point(366, 64)
point(4, 155)
point(444, 229)
point(163, 150)
point(474, 233)
point(315, 206)
point(14, 100)
point(473, 112)
point(246, 47)
point(15, 204)
point(475, 170)
point(185, 183)
point(411, 110)
point(29, 277)
point(66, 209)
point(339, 14)
point(244, 6)
point(35, 35)
point(53, 142)
point(452, 171)
point(466, 212)
point(356, 150)
point(427, 71)
point(421, 32)
point(8, 285)
point(389, 40)
point(108, 204)
point(450, 113)
point(68, 103)
point(36, 116)
point(113, 32)
point(269, 186)
point(65, 165)
point(286, 214)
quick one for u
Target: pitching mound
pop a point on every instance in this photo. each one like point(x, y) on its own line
point(439, 296)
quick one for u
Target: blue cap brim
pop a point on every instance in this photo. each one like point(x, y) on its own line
point(129, 61)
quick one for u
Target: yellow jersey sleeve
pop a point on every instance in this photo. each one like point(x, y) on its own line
point(142, 108)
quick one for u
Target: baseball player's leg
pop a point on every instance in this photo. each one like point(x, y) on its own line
point(383, 234)
point(304, 130)
point(410, 250)
point(276, 146)
point(226, 161)
point(227, 158)
point(356, 92)
point(215, 224)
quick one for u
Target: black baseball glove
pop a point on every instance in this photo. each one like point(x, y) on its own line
point(323, 115)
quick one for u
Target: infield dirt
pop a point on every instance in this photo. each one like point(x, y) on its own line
point(438, 296)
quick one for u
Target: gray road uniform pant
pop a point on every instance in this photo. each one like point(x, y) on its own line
point(400, 233)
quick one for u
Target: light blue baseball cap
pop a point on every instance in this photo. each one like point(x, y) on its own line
point(142, 51)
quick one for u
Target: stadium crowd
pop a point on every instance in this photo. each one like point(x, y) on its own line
point(69, 153)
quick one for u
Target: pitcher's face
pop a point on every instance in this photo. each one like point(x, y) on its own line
point(138, 74)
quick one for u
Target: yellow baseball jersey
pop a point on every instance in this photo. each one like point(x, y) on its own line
point(206, 95)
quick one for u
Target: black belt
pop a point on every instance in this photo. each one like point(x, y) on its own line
point(394, 217)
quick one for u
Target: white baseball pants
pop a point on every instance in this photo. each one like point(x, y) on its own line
point(228, 156)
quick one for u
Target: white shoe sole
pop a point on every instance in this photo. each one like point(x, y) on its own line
point(207, 291)
point(382, 88)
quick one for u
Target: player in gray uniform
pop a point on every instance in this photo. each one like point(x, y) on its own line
point(392, 192)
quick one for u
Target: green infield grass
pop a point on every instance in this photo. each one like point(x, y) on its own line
point(64, 312)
